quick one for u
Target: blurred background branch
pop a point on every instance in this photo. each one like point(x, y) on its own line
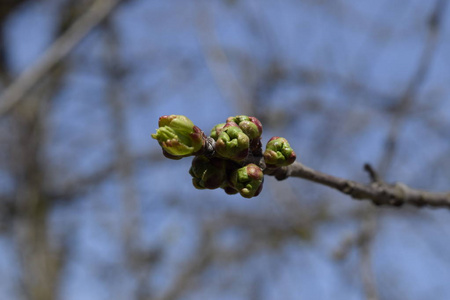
point(57, 51)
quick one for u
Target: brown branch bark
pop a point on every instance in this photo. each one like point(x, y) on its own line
point(379, 193)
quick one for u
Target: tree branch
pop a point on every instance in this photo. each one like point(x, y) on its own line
point(60, 48)
point(379, 193)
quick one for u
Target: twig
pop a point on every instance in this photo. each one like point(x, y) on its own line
point(60, 48)
point(379, 193)
point(374, 176)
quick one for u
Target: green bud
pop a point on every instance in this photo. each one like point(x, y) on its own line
point(250, 129)
point(178, 136)
point(251, 126)
point(238, 119)
point(232, 143)
point(216, 130)
point(209, 173)
point(248, 180)
point(278, 153)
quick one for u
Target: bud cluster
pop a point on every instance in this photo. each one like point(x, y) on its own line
point(227, 167)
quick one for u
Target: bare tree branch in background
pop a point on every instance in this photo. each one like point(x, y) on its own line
point(28, 212)
point(371, 216)
point(400, 110)
point(219, 64)
point(137, 260)
point(41, 261)
point(80, 185)
point(60, 48)
point(264, 232)
point(6, 8)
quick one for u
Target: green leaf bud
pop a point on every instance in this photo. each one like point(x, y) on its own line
point(248, 180)
point(178, 136)
point(278, 153)
point(232, 143)
point(238, 119)
point(209, 173)
point(251, 126)
point(215, 132)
